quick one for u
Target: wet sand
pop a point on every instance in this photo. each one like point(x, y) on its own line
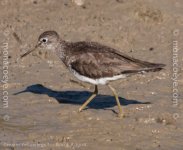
point(43, 97)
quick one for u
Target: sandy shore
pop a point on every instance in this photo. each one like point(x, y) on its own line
point(41, 98)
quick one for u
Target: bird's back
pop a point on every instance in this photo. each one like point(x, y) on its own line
point(95, 60)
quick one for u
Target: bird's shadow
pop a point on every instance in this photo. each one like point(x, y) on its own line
point(79, 97)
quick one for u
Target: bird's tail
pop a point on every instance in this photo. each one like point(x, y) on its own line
point(149, 67)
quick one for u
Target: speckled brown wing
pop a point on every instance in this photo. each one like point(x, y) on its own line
point(95, 61)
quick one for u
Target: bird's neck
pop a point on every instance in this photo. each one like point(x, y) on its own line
point(61, 50)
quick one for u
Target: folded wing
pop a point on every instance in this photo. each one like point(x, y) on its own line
point(95, 61)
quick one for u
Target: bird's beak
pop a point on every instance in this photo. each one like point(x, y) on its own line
point(28, 52)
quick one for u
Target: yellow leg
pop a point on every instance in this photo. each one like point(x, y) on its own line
point(89, 99)
point(117, 100)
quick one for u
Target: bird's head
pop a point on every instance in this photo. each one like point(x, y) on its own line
point(48, 40)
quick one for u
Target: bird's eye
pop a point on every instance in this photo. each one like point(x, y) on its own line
point(44, 40)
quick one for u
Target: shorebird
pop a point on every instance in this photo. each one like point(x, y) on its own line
point(93, 62)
